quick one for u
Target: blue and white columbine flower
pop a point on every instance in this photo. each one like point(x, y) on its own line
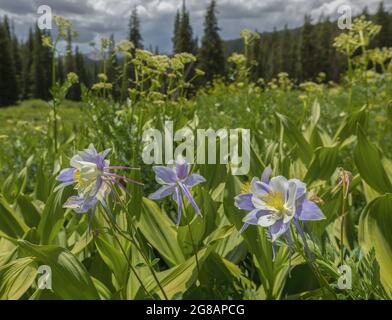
point(176, 181)
point(276, 203)
point(92, 178)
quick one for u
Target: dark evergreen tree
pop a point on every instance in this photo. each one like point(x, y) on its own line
point(176, 30)
point(8, 80)
point(285, 51)
point(74, 91)
point(134, 30)
point(384, 38)
point(307, 50)
point(27, 61)
point(38, 75)
point(16, 52)
point(69, 59)
point(324, 42)
point(212, 59)
point(185, 41)
point(112, 67)
point(60, 70)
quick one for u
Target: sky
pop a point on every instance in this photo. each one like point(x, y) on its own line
point(100, 18)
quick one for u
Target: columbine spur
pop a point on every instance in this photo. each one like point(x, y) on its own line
point(275, 203)
point(91, 174)
point(176, 181)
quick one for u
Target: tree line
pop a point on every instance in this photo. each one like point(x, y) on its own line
point(26, 69)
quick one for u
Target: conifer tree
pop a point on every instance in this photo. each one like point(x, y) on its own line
point(384, 38)
point(81, 71)
point(134, 30)
point(112, 66)
point(177, 22)
point(307, 50)
point(27, 61)
point(60, 70)
point(8, 81)
point(324, 40)
point(37, 72)
point(212, 59)
point(69, 59)
point(185, 41)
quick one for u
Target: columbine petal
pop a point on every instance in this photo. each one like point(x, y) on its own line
point(265, 177)
point(76, 161)
point(280, 184)
point(301, 187)
point(308, 210)
point(63, 185)
point(104, 153)
point(66, 175)
point(194, 180)
point(178, 198)
point(181, 168)
point(162, 192)
point(187, 193)
point(266, 220)
point(254, 216)
point(244, 202)
point(259, 203)
point(259, 188)
point(165, 175)
point(277, 229)
point(292, 193)
point(79, 204)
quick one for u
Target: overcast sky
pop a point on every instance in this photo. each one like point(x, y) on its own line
point(95, 18)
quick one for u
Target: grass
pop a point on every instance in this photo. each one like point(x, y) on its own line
point(36, 113)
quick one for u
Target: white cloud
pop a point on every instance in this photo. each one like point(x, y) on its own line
point(103, 17)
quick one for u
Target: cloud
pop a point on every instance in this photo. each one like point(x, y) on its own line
point(95, 18)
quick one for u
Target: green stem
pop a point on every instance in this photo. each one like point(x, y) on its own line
point(127, 258)
point(342, 226)
point(322, 281)
point(54, 98)
point(194, 248)
point(134, 242)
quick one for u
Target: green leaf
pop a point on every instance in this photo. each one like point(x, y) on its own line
point(70, 279)
point(369, 163)
point(53, 216)
point(219, 234)
point(374, 231)
point(349, 125)
point(10, 223)
point(28, 210)
point(176, 280)
point(114, 259)
point(103, 291)
point(293, 137)
point(324, 163)
point(43, 184)
point(16, 278)
point(161, 232)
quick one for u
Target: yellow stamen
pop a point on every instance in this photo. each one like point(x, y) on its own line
point(245, 188)
point(275, 200)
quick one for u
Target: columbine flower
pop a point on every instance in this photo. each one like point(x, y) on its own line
point(91, 174)
point(276, 203)
point(176, 181)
